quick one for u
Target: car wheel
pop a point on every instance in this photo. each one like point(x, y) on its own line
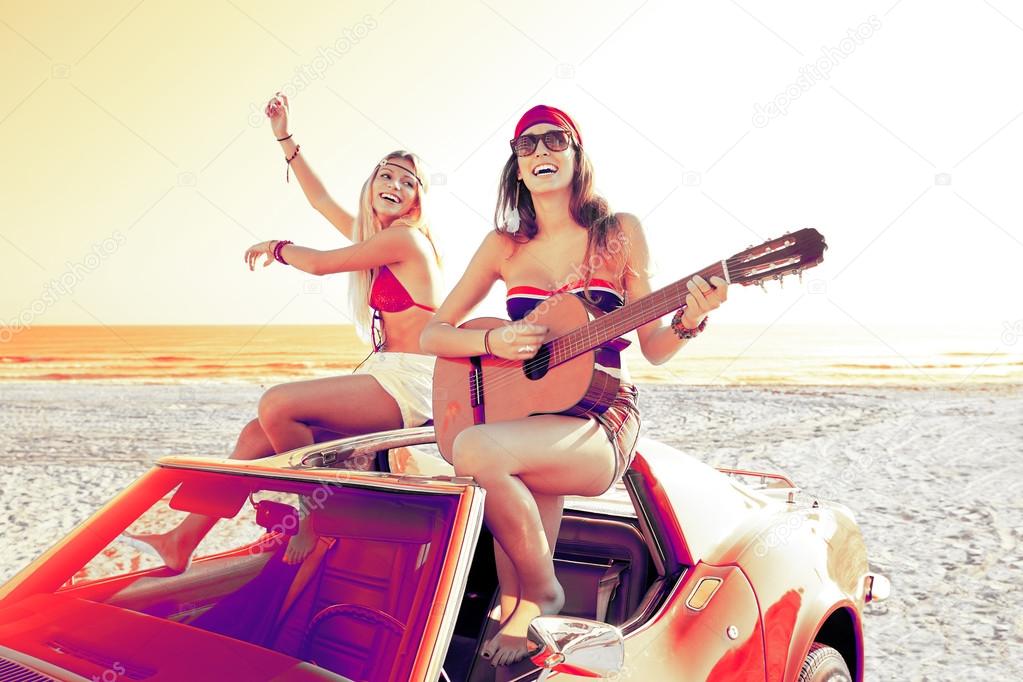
point(824, 664)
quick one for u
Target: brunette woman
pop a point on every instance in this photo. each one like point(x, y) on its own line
point(554, 234)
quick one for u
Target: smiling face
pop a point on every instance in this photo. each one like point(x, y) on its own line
point(395, 190)
point(544, 170)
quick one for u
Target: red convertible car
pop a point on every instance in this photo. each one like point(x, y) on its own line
point(684, 573)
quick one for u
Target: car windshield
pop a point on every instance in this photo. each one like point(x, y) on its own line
point(339, 573)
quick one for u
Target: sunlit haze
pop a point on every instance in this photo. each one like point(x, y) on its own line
point(140, 167)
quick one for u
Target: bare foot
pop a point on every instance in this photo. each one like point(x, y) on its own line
point(300, 544)
point(167, 546)
point(511, 644)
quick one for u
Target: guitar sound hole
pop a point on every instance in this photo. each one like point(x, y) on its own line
point(536, 367)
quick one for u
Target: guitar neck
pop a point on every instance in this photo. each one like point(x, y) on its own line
point(627, 318)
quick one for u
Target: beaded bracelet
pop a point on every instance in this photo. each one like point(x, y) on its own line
point(682, 331)
point(277, 251)
point(287, 173)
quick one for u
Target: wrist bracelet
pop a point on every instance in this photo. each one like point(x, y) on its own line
point(277, 251)
point(683, 332)
point(282, 139)
point(287, 173)
point(486, 342)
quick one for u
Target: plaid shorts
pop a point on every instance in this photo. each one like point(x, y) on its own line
point(621, 422)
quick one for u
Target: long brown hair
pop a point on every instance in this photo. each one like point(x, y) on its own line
point(588, 209)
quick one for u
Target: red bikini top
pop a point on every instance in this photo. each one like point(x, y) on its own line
point(389, 295)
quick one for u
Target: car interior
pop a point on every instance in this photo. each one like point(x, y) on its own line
point(354, 605)
point(601, 561)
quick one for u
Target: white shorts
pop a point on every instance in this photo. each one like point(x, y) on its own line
point(408, 378)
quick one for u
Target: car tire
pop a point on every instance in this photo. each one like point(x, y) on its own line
point(824, 664)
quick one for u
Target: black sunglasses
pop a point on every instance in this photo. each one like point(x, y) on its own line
point(556, 140)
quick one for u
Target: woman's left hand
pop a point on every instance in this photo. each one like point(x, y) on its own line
point(257, 250)
point(703, 298)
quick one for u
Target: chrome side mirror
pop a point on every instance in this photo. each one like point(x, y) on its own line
point(577, 646)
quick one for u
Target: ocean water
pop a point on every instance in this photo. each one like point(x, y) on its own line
point(723, 355)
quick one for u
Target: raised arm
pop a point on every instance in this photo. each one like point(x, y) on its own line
point(441, 336)
point(658, 341)
point(277, 110)
point(389, 246)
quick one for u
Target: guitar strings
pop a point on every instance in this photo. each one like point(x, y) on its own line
point(578, 341)
point(582, 341)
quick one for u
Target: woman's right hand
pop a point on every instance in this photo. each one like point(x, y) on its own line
point(277, 112)
point(264, 249)
point(517, 341)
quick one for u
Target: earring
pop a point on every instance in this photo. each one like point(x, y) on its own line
point(512, 220)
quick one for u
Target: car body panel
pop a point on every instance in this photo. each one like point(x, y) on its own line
point(784, 565)
point(824, 567)
point(683, 490)
point(682, 644)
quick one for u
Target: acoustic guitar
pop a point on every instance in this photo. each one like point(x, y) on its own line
point(572, 372)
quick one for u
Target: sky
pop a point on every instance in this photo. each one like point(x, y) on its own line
point(139, 166)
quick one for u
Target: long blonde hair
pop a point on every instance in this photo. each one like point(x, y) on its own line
point(368, 224)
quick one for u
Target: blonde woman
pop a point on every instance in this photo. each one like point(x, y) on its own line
point(395, 286)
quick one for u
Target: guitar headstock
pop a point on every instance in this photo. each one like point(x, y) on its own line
point(789, 254)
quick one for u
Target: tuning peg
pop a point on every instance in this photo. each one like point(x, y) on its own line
point(799, 273)
point(781, 281)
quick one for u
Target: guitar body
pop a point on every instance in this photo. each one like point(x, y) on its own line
point(512, 389)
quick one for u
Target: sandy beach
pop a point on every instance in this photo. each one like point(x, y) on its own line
point(932, 474)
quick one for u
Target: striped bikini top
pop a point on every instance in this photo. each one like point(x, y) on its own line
point(522, 299)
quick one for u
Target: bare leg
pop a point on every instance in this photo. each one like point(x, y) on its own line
point(550, 455)
point(550, 508)
point(350, 404)
point(176, 546)
point(300, 413)
point(508, 584)
point(291, 413)
point(303, 542)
